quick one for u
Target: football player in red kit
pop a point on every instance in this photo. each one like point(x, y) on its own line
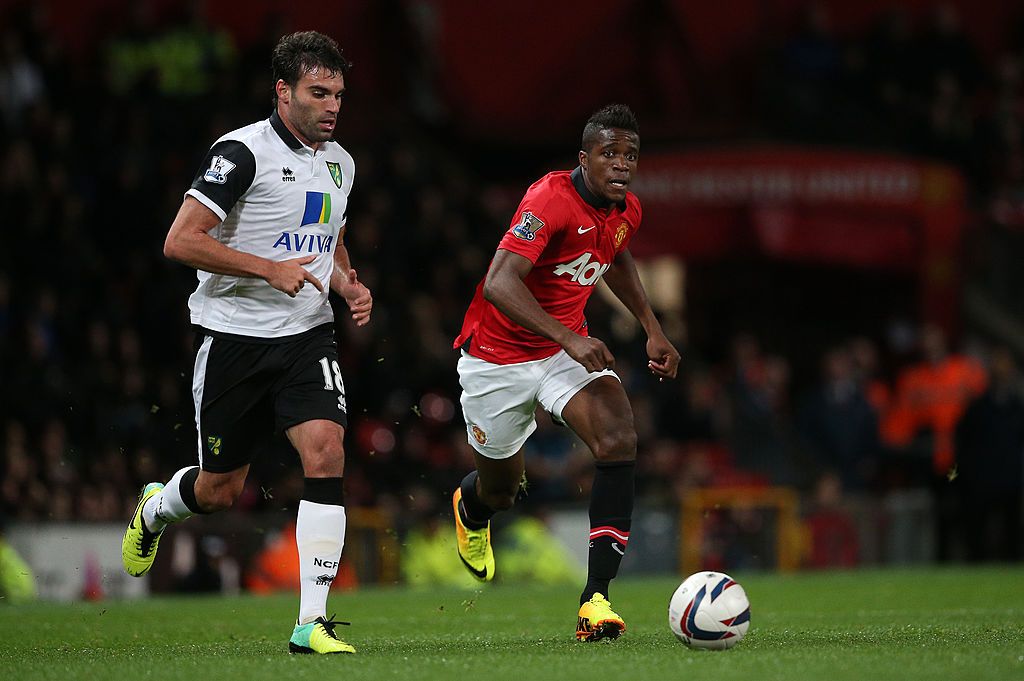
point(524, 342)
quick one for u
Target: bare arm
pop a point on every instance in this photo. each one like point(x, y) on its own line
point(624, 282)
point(342, 264)
point(345, 283)
point(189, 242)
point(504, 288)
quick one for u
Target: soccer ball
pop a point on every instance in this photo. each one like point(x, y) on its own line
point(709, 610)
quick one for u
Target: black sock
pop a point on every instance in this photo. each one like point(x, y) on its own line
point(324, 491)
point(187, 488)
point(475, 514)
point(611, 509)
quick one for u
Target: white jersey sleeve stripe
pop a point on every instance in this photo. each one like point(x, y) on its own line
point(207, 201)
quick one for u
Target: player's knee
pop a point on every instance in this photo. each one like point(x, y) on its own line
point(221, 497)
point(217, 503)
point(616, 445)
point(219, 491)
point(326, 460)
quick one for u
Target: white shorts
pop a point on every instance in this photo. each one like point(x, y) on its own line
point(499, 400)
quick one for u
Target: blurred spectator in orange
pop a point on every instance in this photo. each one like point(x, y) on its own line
point(276, 567)
point(990, 456)
point(930, 398)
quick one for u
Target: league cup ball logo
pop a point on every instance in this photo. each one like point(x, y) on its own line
point(709, 610)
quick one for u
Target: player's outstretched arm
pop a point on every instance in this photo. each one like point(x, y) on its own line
point(504, 288)
point(624, 282)
point(189, 242)
point(346, 284)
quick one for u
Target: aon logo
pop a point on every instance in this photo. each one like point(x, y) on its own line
point(582, 271)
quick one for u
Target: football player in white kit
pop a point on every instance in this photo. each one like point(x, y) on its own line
point(263, 224)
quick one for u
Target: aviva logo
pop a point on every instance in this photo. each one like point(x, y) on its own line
point(310, 243)
point(318, 209)
point(317, 212)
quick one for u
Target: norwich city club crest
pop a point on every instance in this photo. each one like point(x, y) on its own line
point(335, 169)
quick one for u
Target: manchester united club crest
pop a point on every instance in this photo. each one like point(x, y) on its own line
point(529, 225)
point(480, 435)
point(620, 234)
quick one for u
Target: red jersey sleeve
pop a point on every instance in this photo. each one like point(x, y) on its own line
point(538, 217)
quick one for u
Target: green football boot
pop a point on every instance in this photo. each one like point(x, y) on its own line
point(138, 548)
point(318, 637)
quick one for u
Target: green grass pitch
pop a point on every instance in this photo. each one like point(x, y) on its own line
point(935, 624)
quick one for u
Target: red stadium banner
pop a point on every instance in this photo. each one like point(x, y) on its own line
point(838, 207)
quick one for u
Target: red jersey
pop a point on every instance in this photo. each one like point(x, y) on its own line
point(571, 238)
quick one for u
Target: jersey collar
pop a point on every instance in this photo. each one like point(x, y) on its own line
point(283, 132)
point(588, 196)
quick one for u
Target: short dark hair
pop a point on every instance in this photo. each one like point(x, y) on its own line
point(612, 116)
point(304, 51)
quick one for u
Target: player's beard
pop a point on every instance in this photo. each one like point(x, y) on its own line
point(308, 123)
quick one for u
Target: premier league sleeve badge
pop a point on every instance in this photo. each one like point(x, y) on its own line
point(528, 226)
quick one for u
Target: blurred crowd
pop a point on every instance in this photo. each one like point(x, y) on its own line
point(96, 348)
point(912, 83)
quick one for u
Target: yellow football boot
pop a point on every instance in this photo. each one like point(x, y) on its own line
point(474, 545)
point(138, 548)
point(597, 620)
point(318, 637)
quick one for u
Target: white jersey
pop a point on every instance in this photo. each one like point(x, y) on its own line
point(278, 199)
